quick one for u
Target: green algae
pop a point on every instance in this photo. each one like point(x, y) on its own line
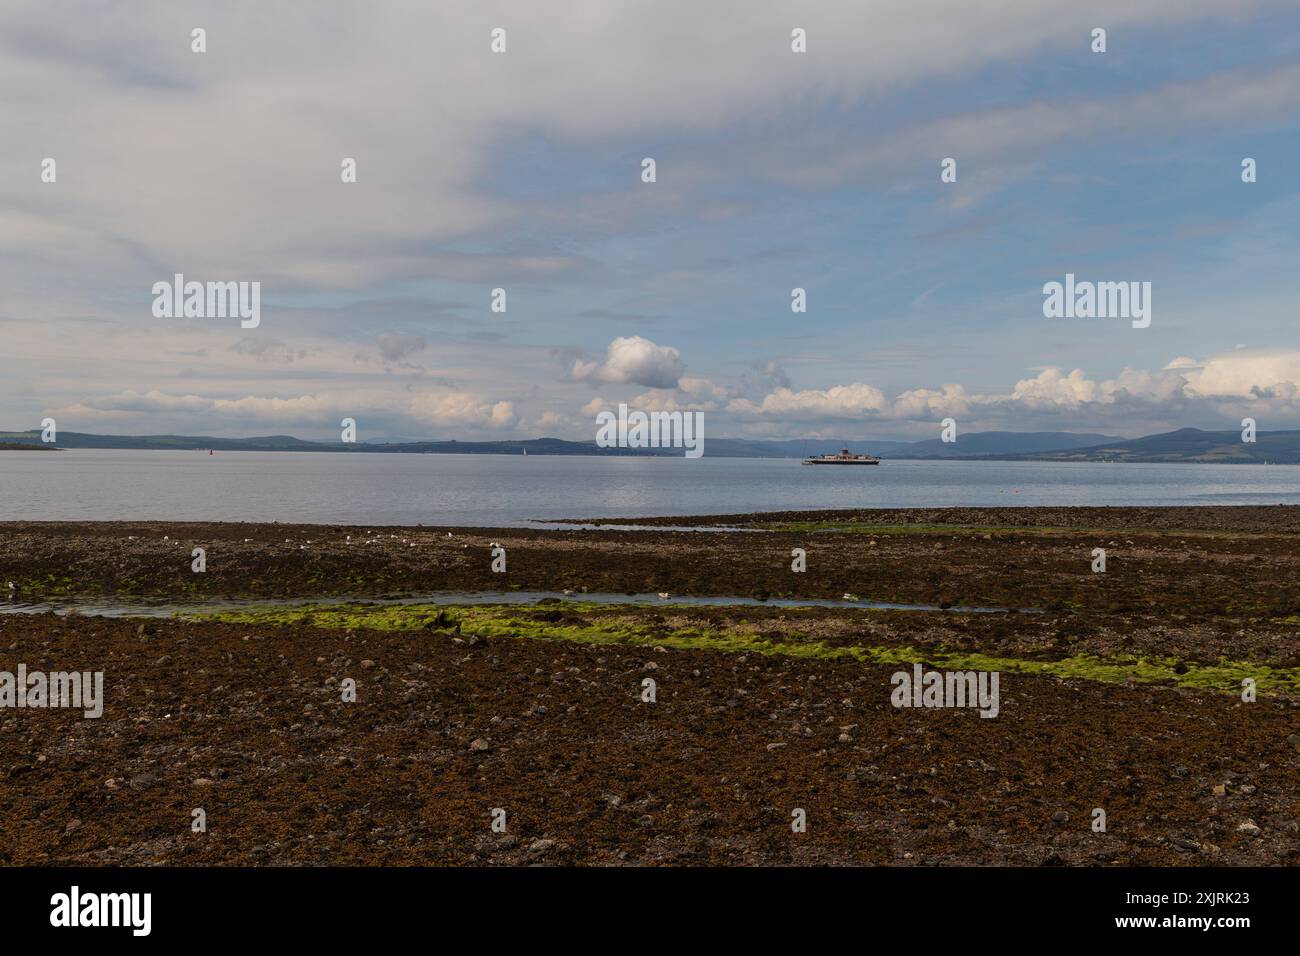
point(1146, 536)
point(566, 622)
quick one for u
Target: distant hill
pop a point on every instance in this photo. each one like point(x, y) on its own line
point(1002, 443)
point(1187, 444)
point(178, 442)
point(977, 443)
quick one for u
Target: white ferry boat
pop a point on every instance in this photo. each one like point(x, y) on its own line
point(843, 458)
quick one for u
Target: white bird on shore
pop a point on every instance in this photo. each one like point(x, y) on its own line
point(851, 597)
point(12, 587)
point(664, 595)
point(567, 592)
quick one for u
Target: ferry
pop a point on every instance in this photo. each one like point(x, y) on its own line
point(843, 458)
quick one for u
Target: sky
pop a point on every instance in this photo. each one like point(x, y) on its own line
point(522, 170)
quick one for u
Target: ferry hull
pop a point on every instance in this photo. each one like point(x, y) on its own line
point(813, 461)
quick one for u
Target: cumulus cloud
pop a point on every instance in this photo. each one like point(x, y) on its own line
point(632, 360)
point(460, 408)
point(1209, 391)
point(841, 401)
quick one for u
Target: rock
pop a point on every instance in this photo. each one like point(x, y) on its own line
point(1249, 828)
point(143, 781)
point(73, 824)
point(1060, 817)
point(367, 664)
point(202, 782)
point(478, 743)
point(541, 846)
point(845, 738)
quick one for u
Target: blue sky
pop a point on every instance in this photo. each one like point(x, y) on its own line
point(775, 170)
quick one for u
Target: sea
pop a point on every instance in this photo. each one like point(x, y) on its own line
point(519, 490)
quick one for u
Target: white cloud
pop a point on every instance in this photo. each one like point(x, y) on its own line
point(1211, 391)
point(632, 360)
point(841, 401)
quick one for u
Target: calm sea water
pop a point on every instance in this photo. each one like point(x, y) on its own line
point(505, 490)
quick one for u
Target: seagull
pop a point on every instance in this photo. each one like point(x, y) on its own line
point(663, 595)
point(850, 597)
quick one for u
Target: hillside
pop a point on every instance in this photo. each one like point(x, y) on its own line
point(1187, 444)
